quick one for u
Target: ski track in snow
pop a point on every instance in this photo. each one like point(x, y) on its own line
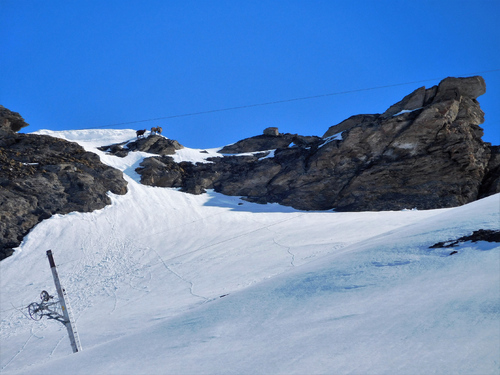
point(303, 292)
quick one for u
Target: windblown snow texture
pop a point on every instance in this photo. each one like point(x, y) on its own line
point(303, 292)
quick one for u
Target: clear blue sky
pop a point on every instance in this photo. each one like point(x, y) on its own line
point(89, 63)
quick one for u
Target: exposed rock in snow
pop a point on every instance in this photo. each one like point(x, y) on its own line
point(424, 152)
point(41, 176)
point(487, 235)
point(431, 155)
point(154, 144)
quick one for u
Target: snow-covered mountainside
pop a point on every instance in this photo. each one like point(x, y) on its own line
point(163, 282)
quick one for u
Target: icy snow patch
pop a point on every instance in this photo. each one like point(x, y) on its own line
point(334, 137)
point(194, 156)
point(406, 111)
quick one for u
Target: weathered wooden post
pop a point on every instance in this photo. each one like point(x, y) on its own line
point(67, 314)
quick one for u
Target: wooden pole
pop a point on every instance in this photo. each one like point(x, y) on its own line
point(67, 314)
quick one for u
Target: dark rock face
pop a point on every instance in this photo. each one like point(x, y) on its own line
point(350, 123)
point(491, 181)
point(10, 121)
point(268, 142)
point(41, 176)
point(423, 152)
point(154, 144)
point(486, 235)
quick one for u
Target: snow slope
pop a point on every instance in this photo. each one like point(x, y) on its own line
point(163, 282)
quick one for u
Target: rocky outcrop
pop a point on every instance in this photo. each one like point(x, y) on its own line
point(491, 181)
point(10, 121)
point(423, 152)
point(268, 142)
point(486, 235)
point(350, 123)
point(154, 144)
point(41, 176)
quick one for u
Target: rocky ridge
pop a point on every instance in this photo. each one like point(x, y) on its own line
point(41, 176)
point(153, 144)
point(423, 152)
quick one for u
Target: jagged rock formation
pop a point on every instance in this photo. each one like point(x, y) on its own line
point(491, 180)
point(423, 152)
point(267, 142)
point(10, 121)
point(154, 144)
point(41, 176)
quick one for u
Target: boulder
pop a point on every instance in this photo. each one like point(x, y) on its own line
point(271, 131)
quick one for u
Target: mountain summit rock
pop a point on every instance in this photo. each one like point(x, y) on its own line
point(423, 152)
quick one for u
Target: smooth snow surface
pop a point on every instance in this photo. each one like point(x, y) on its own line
point(163, 282)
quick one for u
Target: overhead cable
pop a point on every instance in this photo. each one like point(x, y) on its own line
point(281, 101)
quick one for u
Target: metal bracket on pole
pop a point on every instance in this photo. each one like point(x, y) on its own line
point(67, 320)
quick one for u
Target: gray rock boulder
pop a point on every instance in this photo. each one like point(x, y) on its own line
point(271, 131)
